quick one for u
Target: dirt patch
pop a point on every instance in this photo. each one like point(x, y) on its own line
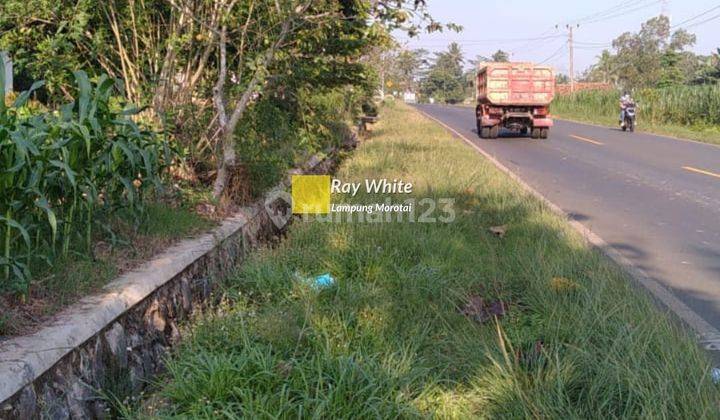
point(482, 311)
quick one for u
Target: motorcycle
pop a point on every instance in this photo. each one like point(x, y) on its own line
point(629, 121)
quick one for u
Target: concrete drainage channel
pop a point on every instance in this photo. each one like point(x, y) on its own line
point(124, 333)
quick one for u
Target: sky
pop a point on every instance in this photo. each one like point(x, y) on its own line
point(515, 25)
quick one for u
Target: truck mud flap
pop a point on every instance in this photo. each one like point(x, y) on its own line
point(542, 122)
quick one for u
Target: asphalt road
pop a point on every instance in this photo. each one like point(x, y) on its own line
point(654, 199)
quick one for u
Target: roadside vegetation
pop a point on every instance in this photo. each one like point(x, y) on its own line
point(62, 168)
point(656, 56)
point(75, 186)
point(446, 76)
point(451, 320)
point(134, 124)
point(677, 91)
point(691, 112)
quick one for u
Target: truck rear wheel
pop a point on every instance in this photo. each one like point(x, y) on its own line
point(494, 130)
point(544, 133)
point(485, 132)
point(535, 133)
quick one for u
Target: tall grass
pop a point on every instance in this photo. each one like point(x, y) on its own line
point(391, 341)
point(685, 105)
point(59, 168)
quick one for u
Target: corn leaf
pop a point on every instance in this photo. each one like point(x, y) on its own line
point(68, 171)
point(20, 228)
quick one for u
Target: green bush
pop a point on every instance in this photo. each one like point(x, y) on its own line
point(279, 133)
point(60, 168)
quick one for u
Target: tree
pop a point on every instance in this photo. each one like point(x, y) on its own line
point(670, 72)
point(184, 58)
point(602, 71)
point(639, 58)
point(500, 56)
point(381, 58)
point(409, 67)
point(479, 59)
point(284, 31)
point(454, 54)
point(654, 56)
point(445, 79)
point(708, 70)
point(279, 22)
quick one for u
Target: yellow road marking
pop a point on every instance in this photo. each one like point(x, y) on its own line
point(700, 171)
point(586, 139)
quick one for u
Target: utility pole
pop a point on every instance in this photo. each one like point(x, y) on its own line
point(572, 60)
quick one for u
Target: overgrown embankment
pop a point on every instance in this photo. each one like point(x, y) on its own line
point(77, 185)
point(434, 319)
point(691, 112)
point(89, 190)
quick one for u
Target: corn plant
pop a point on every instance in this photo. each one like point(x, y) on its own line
point(685, 105)
point(60, 168)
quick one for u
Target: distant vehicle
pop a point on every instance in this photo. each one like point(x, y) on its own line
point(409, 97)
point(515, 96)
point(629, 123)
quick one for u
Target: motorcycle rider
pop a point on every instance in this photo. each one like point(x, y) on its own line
point(625, 101)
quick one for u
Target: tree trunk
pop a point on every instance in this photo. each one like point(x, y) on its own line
point(226, 165)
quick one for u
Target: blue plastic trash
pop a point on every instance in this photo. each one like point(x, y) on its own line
point(324, 281)
point(715, 375)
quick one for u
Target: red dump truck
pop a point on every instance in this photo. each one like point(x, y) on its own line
point(515, 96)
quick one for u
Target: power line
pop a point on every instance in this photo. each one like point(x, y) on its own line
point(521, 48)
point(600, 13)
point(598, 47)
point(599, 17)
point(554, 54)
point(489, 40)
point(620, 13)
point(618, 7)
point(702, 21)
point(616, 10)
point(591, 43)
point(695, 17)
point(611, 13)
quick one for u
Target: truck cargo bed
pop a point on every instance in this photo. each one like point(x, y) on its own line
point(515, 84)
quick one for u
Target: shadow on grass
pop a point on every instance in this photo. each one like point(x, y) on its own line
point(389, 339)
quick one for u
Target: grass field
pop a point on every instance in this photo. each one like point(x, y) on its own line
point(434, 319)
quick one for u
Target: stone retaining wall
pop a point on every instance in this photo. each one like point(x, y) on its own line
point(119, 337)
